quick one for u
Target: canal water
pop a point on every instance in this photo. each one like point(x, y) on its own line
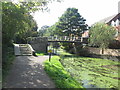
point(93, 72)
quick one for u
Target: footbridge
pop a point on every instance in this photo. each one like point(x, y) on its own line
point(41, 43)
point(67, 39)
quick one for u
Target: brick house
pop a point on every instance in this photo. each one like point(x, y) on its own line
point(85, 34)
point(114, 21)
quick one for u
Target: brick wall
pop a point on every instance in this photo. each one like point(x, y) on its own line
point(113, 52)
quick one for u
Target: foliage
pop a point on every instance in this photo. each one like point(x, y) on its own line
point(11, 16)
point(71, 23)
point(51, 30)
point(93, 72)
point(115, 44)
point(41, 54)
point(81, 50)
point(17, 21)
point(61, 78)
point(101, 35)
point(44, 30)
point(47, 31)
point(67, 46)
point(56, 45)
point(54, 30)
point(8, 57)
point(63, 53)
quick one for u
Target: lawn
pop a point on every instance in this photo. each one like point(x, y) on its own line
point(93, 72)
point(61, 78)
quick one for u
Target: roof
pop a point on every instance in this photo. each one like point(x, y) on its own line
point(108, 19)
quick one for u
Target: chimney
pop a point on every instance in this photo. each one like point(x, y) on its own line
point(119, 7)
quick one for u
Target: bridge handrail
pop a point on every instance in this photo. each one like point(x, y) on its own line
point(64, 38)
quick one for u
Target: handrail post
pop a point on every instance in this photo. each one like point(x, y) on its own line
point(81, 39)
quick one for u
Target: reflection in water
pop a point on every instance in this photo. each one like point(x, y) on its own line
point(86, 82)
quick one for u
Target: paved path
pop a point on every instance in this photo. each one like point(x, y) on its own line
point(28, 72)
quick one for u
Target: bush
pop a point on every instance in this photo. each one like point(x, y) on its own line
point(115, 44)
point(67, 46)
point(7, 59)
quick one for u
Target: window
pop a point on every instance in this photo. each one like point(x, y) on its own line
point(112, 23)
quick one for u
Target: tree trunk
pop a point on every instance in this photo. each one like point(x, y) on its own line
point(102, 51)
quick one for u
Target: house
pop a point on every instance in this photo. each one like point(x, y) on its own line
point(114, 21)
point(85, 34)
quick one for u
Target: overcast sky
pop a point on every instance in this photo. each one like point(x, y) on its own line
point(91, 10)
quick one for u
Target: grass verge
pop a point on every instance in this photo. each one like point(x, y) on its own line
point(61, 78)
point(40, 54)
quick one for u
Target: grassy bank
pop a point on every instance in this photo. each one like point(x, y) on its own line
point(40, 53)
point(7, 59)
point(93, 72)
point(61, 78)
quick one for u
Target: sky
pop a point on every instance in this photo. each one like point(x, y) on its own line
point(91, 10)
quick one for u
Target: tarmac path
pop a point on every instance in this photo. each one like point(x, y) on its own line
point(28, 72)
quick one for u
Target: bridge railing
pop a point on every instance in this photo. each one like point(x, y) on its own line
point(63, 38)
point(57, 38)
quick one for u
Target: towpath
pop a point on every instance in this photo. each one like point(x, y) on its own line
point(28, 72)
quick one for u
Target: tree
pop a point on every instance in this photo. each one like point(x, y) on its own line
point(101, 35)
point(43, 30)
point(17, 19)
point(71, 23)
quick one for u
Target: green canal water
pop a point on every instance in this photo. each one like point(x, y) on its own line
point(93, 72)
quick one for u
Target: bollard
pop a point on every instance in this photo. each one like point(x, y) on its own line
point(50, 53)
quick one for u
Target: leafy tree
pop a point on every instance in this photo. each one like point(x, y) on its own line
point(43, 30)
point(101, 35)
point(71, 23)
point(47, 31)
point(52, 31)
point(30, 30)
point(11, 18)
point(17, 19)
